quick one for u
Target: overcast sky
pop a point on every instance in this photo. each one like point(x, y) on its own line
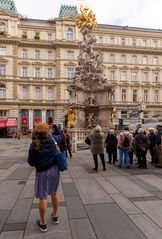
point(135, 13)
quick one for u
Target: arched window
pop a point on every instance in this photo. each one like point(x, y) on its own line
point(69, 34)
point(2, 91)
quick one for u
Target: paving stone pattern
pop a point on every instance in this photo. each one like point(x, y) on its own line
point(112, 204)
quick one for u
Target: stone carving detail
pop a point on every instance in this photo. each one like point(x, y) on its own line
point(91, 120)
point(89, 74)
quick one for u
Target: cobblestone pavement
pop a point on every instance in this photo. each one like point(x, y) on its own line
point(112, 204)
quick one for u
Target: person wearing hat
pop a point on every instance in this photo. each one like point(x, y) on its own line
point(42, 156)
point(97, 146)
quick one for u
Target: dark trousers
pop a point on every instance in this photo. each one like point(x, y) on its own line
point(141, 155)
point(112, 154)
point(96, 160)
point(69, 151)
point(153, 155)
point(131, 157)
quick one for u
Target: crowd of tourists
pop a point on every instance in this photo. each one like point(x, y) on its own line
point(126, 146)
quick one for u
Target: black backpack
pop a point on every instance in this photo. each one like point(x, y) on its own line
point(125, 143)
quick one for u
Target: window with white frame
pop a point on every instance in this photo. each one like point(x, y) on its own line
point(156, 96)
point(50, 55)
point(134, 95)
point(37, 93)
point(155, 76)
point(145, 76)
point(50, 72)
point(145, 95)
point(24, 71)
point(144, 60)
point(112, 58)
point(124, 95)
point(155, 60)
point(133, 42)
point(69, 34)
point(2, 70)
point(2, 91)
point(154, 43)
point(100, 39)
point(134, 59)
point(37, 54)
point(25, 92)
point(134, 76)
point(144, 42)
point(3, 51)
point(24, 53)
point(123, 75)
point(123, 58)
point(70, 72)
point(37, 72)
point(70, 55)
point(49, 36)
point(112, 40)
point(112, 75)
point(50, 93)
point(123, 41)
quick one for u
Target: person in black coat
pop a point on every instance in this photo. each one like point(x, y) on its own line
point(111, 146)
point(151, 138)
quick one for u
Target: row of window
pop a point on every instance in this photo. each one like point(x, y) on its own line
point(50, 36)
point(37, 72)
point(70, 74)
point(129, 41)
point(37, 54)
point(135, 96)
point(70, 55)
point(25, 94)
point(134, 76)
point(134, 59)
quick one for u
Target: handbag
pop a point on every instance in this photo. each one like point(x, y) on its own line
point(87, 141)
point(60, 158)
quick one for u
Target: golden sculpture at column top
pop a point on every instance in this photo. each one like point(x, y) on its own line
point(86, 18)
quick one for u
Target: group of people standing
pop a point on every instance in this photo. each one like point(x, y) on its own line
point(127, 144)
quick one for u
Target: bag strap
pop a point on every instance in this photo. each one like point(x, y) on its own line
point(57, 147)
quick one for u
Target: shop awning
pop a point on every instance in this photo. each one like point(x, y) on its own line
point(11, 122)
point(3, 123)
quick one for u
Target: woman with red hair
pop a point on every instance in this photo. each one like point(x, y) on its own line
point(42, 156)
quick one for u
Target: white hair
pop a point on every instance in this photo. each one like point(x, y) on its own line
point(141, 131)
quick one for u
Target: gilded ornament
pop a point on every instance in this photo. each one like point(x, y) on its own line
point(86, 18)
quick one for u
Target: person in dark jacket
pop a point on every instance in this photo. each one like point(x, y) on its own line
point(111, 146)
point(158, 145)
point(97, 146)
point(42, 156)
point(68, 143)
point(141, 146)
point(151, 138)
point(59, 137)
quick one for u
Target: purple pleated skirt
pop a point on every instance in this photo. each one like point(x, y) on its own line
point(46, 182)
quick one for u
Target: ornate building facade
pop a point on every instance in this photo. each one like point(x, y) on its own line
point(38, 59)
